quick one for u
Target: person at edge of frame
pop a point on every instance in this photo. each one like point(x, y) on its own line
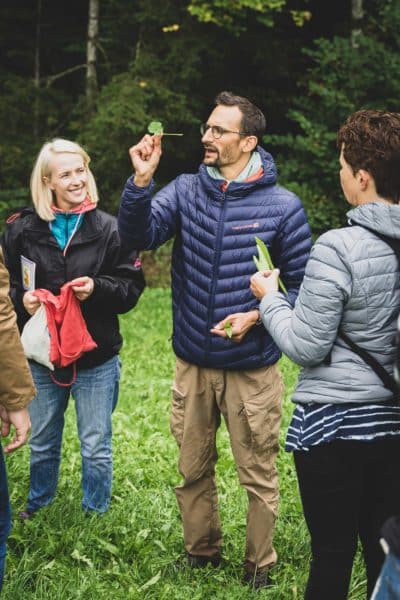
point(232, 371)
point(16, 391)
point(345, 429)
point(64, 237)
point(388, 583)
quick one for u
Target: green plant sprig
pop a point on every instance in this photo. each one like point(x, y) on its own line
point(264, 262)
point(156, 128)
point(228, 329)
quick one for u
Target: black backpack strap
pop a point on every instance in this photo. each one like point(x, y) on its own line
point(388, 381)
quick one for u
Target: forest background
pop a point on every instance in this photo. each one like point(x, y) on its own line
point(99, 71)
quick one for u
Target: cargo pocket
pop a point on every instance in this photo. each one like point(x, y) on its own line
point(263, 414)
point(259, 426)
point(177, 417)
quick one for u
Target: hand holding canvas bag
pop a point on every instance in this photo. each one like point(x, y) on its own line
point(35, 338)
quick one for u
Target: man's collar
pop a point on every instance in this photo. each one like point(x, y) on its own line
point(253, 166)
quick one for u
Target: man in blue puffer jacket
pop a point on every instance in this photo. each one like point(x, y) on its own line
point(226, 362)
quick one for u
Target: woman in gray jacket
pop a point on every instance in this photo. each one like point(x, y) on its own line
point(345, 430)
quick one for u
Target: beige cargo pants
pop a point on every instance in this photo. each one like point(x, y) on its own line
point(250, 402)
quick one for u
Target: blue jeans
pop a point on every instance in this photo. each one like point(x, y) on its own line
point(5, 515)
point(95, 392)
point(388, 586)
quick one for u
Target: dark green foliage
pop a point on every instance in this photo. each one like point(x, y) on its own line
point(25, 114)
point(124, 108)
point(323, 212)
point(16, 140)
point(11, 201)
point(340, 79)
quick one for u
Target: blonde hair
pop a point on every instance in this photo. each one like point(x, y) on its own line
point(42, 195)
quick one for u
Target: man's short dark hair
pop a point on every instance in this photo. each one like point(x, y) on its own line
point(253, 120)
point(371, 141)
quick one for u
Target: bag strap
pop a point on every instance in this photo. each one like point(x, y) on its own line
point(73, 378)
point(388, 381)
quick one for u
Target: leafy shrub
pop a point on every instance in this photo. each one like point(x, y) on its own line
point(342, 79)
point(323, 213)
point(12, 200)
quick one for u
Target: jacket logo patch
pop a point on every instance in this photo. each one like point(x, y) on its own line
point(255, 225)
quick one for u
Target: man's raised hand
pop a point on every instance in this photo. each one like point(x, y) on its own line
point(145, 157)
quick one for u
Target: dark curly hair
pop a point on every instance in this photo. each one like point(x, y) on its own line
point(253, 120)
point(370, 140)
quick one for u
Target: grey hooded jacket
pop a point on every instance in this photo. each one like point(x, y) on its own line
point(351, 281)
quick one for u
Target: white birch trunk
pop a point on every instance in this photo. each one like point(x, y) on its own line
point(357, 13)
point(91, 60)
point(36, 71)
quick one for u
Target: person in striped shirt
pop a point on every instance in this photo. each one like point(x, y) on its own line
point(345, 430)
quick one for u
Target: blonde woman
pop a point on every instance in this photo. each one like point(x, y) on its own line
point(64, 238)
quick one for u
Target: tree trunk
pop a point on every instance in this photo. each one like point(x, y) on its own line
point(91, 64)
point(36, 73)
point(357, 14)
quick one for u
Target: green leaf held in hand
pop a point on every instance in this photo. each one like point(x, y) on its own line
point(228, 329)
point(156, 128)
point(264, 262)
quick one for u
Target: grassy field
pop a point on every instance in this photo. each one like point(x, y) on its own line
point(131, 551)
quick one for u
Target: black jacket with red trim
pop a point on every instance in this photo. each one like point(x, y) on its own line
point(95, 251)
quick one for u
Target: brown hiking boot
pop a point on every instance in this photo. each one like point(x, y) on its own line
point(257, 579)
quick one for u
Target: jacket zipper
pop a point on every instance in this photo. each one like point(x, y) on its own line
point(214, 280)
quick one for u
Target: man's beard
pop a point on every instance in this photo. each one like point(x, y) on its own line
point(213, 159)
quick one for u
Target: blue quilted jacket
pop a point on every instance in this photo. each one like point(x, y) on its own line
point(212, 257)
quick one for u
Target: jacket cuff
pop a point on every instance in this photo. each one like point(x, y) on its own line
point(139, 192)
point(269, 299)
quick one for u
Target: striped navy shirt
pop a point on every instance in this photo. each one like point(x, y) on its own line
point(314, 424)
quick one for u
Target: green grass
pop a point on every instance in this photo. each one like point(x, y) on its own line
point(131, 551)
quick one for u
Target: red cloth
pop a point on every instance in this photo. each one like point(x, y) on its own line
point(69, 336)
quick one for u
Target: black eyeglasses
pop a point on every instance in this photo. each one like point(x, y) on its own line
point(217, 131)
